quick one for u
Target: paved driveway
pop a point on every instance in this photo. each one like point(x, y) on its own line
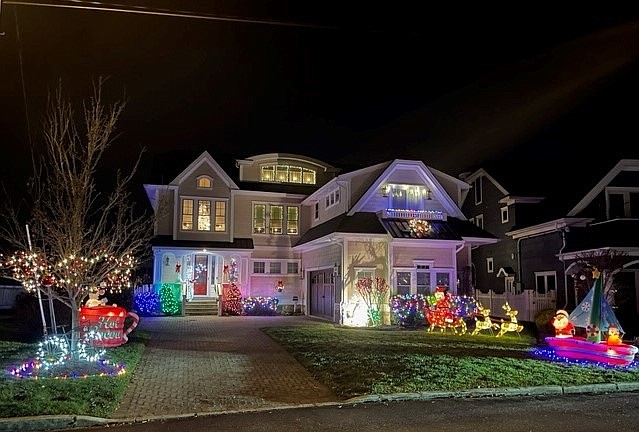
point(206, 364)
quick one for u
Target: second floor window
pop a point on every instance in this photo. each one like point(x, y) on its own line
point(196, 214)
point(275, 219)
point(477, 187)
point(287, 174)
point(292, 220)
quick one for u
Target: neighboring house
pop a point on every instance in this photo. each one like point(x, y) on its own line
point(546, 226)
point(295, 220)
point(10, 289)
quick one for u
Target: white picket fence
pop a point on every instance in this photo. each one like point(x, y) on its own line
point(528, 303)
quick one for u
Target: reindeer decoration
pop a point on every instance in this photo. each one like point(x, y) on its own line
point(511, 325)
point(484, 323)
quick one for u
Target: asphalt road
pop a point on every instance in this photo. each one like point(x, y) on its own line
point(579, 413)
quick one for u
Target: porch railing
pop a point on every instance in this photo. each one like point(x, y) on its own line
point(528, 303)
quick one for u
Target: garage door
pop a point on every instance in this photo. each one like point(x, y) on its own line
point(322, 293)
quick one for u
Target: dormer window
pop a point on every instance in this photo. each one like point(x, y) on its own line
point(204, 182)
point(282, 173)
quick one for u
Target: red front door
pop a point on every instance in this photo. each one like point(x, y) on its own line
point(201, 276)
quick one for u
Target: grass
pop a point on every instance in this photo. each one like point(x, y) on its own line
point(97, 396)
point(356, 362)
point(352, 362)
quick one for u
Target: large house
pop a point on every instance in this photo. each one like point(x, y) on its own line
point(547, 224)
point(301, 230)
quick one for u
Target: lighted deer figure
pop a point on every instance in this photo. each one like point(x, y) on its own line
point(511, 325)
point(484, 323)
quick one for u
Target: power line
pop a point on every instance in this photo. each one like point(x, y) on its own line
point(144, 10)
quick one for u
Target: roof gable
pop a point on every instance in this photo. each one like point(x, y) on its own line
point(622, 165)
point(205, 158)
point(420, 173)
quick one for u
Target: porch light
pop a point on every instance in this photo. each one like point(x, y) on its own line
point(385, 190)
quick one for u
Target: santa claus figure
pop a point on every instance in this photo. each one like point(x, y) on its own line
point(614, 336)
point(563, 327)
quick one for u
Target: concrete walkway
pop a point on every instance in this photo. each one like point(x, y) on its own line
point(216, 364)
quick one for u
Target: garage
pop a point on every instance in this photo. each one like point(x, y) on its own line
point(322, 293)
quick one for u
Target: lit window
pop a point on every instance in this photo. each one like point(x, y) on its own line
point(287, 174)
point(220, 216)
point(276, 219)
point(292, 220)
point(204, 182)
point(187, 214)
point(268, 173)
point(295, 174)
point(406, 197)
point(259, 218)
point(308, 176)
point(204, 215)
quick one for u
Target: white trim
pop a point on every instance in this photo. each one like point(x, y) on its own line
point(548, 227)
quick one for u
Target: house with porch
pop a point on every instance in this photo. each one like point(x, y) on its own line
point(303, 231)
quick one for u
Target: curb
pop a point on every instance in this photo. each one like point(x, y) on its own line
point(47, 423)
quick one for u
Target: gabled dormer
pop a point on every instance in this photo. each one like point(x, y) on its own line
point(615, 196)
point(196, 203)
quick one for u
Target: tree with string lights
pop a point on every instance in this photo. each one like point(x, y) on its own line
point(70, 239)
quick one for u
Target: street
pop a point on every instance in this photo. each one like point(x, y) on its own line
point(581, 412)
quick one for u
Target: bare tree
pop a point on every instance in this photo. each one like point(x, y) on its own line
point(609, 262)
point(68, 236)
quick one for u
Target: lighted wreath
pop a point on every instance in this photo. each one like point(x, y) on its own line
point(419, 226)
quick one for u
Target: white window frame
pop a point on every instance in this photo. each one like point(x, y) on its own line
point(479, 221)
point(504, 214)
point(545, 275)
point(478, 190)
point(490, 265)
point(292, 267)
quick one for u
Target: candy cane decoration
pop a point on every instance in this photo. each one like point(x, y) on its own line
point(136, 320)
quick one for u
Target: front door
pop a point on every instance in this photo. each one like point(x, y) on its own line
point(201, 275)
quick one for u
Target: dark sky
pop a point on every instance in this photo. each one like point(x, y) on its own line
point(346, 82)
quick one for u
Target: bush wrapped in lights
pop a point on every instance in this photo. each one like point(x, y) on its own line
point(147, 303)
point(169, 293)
point(260, 305)
point(407, 310)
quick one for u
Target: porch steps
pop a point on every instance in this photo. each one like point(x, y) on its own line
point(201, 307)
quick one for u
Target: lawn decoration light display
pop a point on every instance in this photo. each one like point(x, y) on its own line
point(69, 279)
point(260, 305)
point(446, 311)
point(512, 325)
point(597, 317)
point(483, 321)
point(373, 292)
point(408, 310)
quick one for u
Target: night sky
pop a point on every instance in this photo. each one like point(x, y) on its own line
point(350, 83)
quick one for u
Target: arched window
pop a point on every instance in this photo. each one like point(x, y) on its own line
point(204, 182)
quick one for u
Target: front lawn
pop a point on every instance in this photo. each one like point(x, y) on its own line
point(97, 396)
point(357, 361)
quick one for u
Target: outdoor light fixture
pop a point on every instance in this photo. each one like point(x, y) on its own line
point(385, 190)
